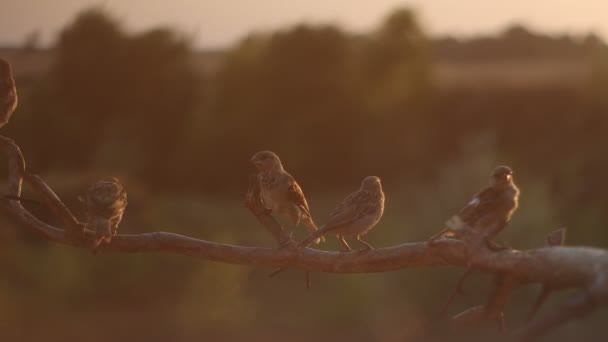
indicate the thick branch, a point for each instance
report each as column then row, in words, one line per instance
column 380, row 260
column 560, row 266
column 556, row 267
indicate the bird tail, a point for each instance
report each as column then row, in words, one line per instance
column 316, row 236
column 312, row 228
column 103, row 231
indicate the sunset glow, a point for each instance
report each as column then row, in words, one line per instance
column 218, row 23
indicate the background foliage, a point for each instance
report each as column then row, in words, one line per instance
column 431, row 116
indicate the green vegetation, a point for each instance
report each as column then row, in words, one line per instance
column 336, row 107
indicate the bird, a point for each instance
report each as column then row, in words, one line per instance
column 488, row 213
column 490, row 209
column 280, row 193
column 8, row 92
column 106, row 201
column 356, row 215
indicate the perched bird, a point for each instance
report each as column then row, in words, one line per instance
column 490, row 209
column 106, row 201
column 8, row 92
column 280, row 192
column 488, row 212
column 355, row 215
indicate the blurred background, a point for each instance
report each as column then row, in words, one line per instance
column 174, row 99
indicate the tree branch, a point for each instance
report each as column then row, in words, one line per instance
column 557, row 267
column 577, row 307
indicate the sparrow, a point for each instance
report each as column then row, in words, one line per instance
column 280, row 193
column 8, row 92
column 356, row 215
column 488, row 212
column 106, row 201
column 490, row 209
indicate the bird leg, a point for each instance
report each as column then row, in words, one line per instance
column 348, row 249
column 307, row 280
column 358, row 237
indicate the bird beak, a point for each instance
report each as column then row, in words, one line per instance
column 508, row 177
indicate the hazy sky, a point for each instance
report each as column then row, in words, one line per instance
column 219, row 23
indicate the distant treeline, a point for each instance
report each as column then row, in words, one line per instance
column 518, row 43
column 335, row 106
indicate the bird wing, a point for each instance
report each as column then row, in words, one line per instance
column 483, row 203
column 353, row 207
column 296, row 195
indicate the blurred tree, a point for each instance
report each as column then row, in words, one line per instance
column 516, row 42
column 295, row 93
column 599, row 69
column 31, row 43
column 518, row 32
column 117, row 100
column 87, row 86
column 328, row 98
column 165, row 92
column 395, row 79
column 396, row 64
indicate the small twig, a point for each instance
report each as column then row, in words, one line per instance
column 458, row 290
column 18, row 169
column 74, row 228
column 504, row 285
column 577, row 307
column 542, row 297
column 493, row 309
column 555, row 238
column 21, row 199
